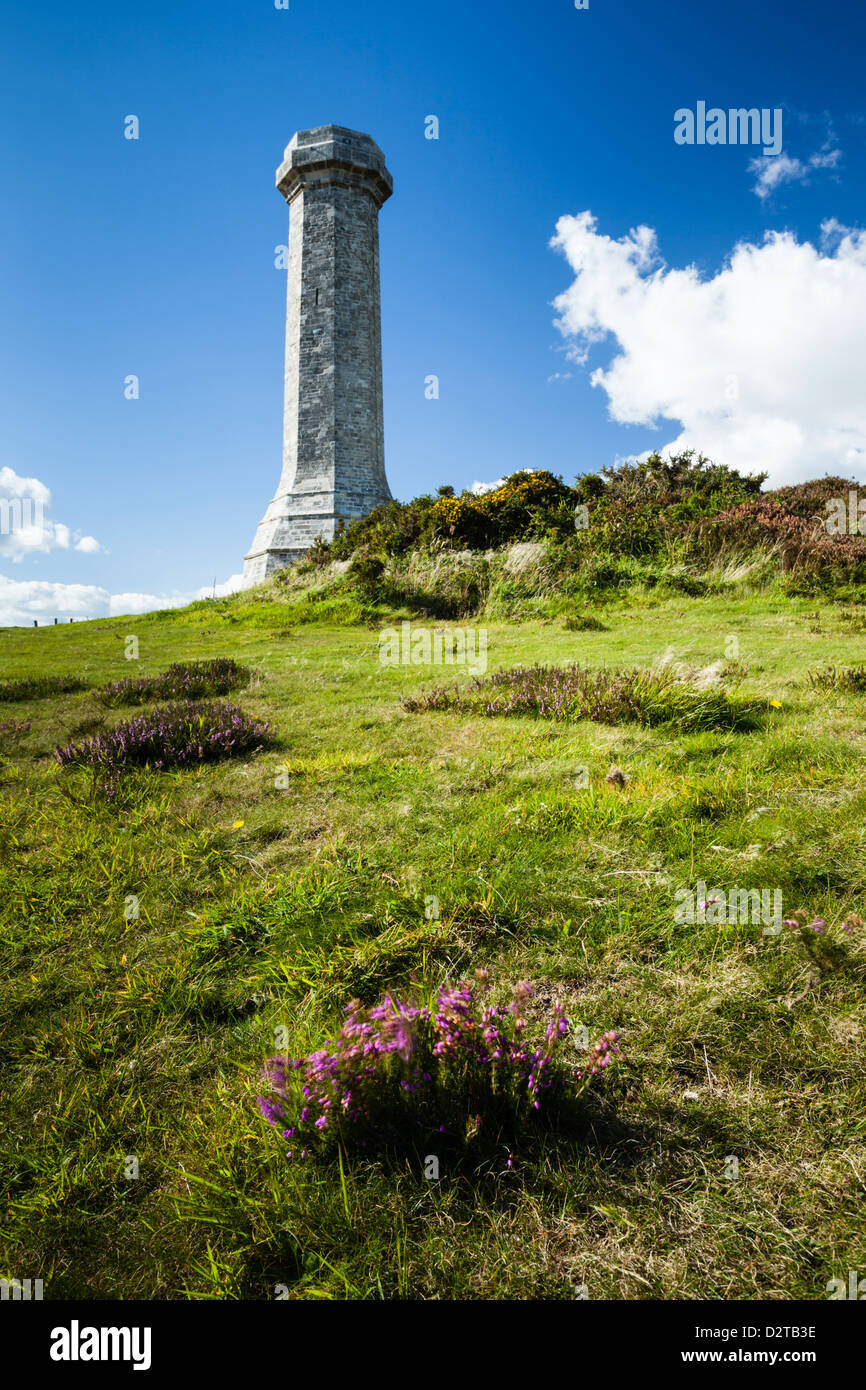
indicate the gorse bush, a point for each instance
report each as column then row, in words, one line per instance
column 394, row 528
column 184, row 680
column 177, row 735
column 516, row 509
column 507, row 513
column 39, row 687
column 367, row 571
column 684, row 486
column 682, row 509
column 638, row 509
column 579, row 692
column 398, row 1072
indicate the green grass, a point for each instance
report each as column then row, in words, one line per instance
column 150, row 948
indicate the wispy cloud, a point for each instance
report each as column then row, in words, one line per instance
column 773, row 171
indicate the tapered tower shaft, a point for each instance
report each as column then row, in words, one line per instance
column 335, row 181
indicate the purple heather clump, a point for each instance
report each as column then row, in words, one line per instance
column 580, row 692
column 39, row 687
column 402, row 1054
column 184, row 680
column 178, row 735
column 819, row 925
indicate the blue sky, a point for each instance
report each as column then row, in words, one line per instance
column 155, row 257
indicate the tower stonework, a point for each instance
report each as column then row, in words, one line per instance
column 335, row 181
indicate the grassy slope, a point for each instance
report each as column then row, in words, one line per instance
column 143, row 1037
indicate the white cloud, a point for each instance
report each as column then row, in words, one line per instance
column 24, row 527
column 774, row 170
column 479, row 489
column 761, row 364
column 146, row 603
column 23, row 600
column 232, row 585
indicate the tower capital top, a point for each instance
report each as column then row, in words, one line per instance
column 332, row 154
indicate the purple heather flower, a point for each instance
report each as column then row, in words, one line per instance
column 374, row 1049
column 271, row 1109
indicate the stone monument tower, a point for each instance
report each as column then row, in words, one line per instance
column 335, row 182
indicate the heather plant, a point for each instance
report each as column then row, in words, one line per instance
column 847, row 678
column 39, row 687
column 811, row 499
column 184, row 680
column 798, row 538
column 177, row 735
column 463, row 1070
column 605, row 696
column 828, row 947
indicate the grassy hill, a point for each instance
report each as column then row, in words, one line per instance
column 156, row 934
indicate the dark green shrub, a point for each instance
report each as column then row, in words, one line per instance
column 367, row 571
column 584, row 622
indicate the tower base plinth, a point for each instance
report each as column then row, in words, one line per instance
column 292, row 524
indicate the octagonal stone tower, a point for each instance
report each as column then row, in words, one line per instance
column 335, row 182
